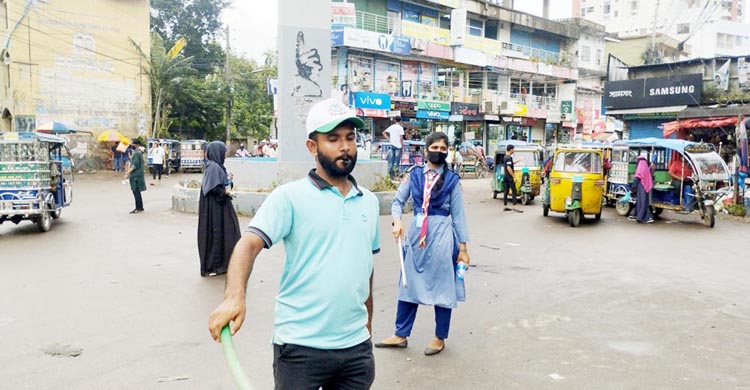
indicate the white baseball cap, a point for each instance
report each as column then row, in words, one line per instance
column 328, row 114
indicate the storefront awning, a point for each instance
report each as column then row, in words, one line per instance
column 649, row 110
column 671, row 128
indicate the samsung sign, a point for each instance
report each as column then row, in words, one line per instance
column 654, row 92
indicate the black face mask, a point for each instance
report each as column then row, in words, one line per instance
column 329, row 164
column 437, row 158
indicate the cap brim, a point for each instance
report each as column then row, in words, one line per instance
column 355, row 121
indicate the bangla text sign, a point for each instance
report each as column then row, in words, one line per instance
column 654, row 92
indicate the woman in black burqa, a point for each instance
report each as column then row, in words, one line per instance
column 218, row 227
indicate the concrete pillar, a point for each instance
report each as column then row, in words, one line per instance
column 545, row 9
column 304, row 49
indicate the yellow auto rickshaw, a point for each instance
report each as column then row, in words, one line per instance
column 528, row 170
column 576, row 183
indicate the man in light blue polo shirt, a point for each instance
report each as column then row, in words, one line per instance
column 330, row 230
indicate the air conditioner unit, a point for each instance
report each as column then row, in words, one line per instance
column 504, row 105
column 418, row 44
column 489, row 108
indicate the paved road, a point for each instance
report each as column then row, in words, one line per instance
column 609, row 305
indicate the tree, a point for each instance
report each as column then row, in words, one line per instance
column 196, row 20
column 651, row 56
column 165, row 70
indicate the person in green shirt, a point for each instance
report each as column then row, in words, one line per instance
column 135, row 174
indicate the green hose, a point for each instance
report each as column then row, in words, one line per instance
column 234, row 364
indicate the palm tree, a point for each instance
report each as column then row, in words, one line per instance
column 165, row 69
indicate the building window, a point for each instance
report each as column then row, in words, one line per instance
column 683, row 28
column 445, row 21
column 590, row 10
column 607, row 8
column 585, row 53
column 475, row 27
column 633, row 7
column 721, row 40
column 411, row 15
column 598, row 56
column 617, row 13
column 737, row 41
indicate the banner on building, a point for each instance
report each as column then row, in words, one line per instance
column 458, row 26
column 407, row 88
column 466, row 109
column 343, row 14
column 743, row 72
column 372, row 101
column 273, row 86
column 433, row 105
column 352, row 37
column 428, row 114
column 721, row 77
column 654, row 92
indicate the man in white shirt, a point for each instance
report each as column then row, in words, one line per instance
column 395, row 135
column 157, row 160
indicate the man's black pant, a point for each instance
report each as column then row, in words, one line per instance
column 138, row 200
column 156, row 169
column 302, row 368
column 510, row 185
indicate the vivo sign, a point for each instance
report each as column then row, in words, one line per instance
column 374, row 101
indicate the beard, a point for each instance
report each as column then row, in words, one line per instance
column 330, row 165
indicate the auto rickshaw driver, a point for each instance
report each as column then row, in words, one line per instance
column 681, row 174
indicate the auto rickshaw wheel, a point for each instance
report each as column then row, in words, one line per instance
column 545, row 210
column 598, row 216
column 57, row 213
column 709, row 216
column 44, row 221
column 574, row 217
column 656, row 211
column 525, row 199
column 623, row 208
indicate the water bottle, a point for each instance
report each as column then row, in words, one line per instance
column 185, row 183
column 461, row 269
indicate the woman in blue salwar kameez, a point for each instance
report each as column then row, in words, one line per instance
column 435, row 243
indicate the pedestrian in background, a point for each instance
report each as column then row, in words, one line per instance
column 166, row 159
column 330, row 230
column 641, row 189
column 135, row 176
column 395, row 135
column 157, row 160
column 126, row 158
column 509, row 180
column 435, row 244
column 218, row 227
column 116, row 157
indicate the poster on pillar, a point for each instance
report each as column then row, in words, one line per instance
column 304, row 50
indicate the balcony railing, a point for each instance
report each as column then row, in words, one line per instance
column 533, row 54
column 377, row 23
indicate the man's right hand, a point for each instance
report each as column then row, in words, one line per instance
column 232, row 309
column 398, row 229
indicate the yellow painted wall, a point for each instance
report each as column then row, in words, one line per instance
column 72, row 62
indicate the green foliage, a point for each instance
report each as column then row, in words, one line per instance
column 651, row 56
column 737, row 210
column 197, row 107
column 384, row 184
column 713, row 95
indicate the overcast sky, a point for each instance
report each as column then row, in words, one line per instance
column 253, row 24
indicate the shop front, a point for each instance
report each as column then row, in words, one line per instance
column 373, row 108
column 433, row 116
column 468, row 123
column 407, row 110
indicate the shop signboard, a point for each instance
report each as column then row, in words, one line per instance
column 352, row 37
column 433, row 105
column 374, row 101
column 343, row 14
column 372, row 113
column 566, row 106
column 467, row 109
column 408, row 109
column 429, row 114
column 654, row 92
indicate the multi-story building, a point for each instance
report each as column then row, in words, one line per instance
column 71, row 61
column 472, row 69
column 710, row 27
